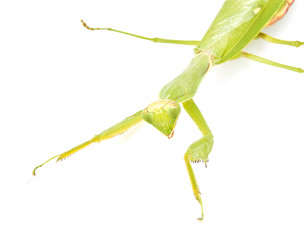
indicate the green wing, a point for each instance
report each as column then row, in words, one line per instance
column 237, row 23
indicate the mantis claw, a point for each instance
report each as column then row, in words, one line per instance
column 34, row 171
column 199, row 150
column 206, row 160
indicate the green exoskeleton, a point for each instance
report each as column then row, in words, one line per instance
column 236, row 25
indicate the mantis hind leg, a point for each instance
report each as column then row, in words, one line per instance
column 269, row 62
column 113, row 131
column 156, row 39
column 279, row 41
column 199, row 150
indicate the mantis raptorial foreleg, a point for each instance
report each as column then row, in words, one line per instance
column 113, row 131
column 199, row 150
column 279, row 41
column 156, row 39
column 269, row 62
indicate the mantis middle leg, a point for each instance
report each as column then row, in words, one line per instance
column 156, row 39
column 279, row 41
column 199, row 150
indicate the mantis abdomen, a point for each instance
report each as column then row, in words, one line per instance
column 236, row 25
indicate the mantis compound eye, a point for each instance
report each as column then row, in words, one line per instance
column 163, row 115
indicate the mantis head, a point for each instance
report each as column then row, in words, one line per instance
column 163, row 115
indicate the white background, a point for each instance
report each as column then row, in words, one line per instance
column 61, row 84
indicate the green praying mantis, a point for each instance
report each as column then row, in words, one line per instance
column 235, row 26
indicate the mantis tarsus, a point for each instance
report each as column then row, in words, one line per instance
column 236, row 25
